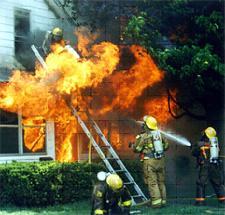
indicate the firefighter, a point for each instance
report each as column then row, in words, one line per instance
column 152, row 147
column 110, row 196
column 210, row 166
column 57, row 43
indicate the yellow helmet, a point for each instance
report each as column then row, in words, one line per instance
column 114, row 182
column 151, row 122
column 57, row 34
column 210, row 132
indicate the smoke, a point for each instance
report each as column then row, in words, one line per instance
column 177, row 138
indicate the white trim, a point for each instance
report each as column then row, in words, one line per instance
column 25, row 158
column 20, row 134
column 32, row 156
column 50, row 139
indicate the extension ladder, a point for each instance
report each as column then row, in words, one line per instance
column 136, row 193
column 129, row 182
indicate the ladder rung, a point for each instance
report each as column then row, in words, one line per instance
column 104, row 146
column 137, row 196
column 127, row 183
column 120, row 170
column 112, row 158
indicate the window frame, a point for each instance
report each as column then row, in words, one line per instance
column 20, row 142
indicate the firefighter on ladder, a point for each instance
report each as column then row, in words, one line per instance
column 110, row 196
column 152, row 146
column 57, row 43
column 207, row 154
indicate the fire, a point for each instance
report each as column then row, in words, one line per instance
column 34, row 133
column 84, row 36
column 158, row 107
column 129, row 85
column 49, row 93
column 7, row 101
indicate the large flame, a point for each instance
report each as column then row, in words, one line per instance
column 48, row 93
column 34, row 133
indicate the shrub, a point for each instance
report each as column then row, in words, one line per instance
column 49, row 183
column 46, row 183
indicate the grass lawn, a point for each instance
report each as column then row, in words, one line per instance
column 83, row 208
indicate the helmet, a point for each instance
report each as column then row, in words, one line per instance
column 210, row 132
column 101, row 176
column 150, row 122
column 57, row 34
column 114, row 182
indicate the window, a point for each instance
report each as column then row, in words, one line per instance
column 21, row 136
column 8, row 133
column 34, row 132
column 22, row 37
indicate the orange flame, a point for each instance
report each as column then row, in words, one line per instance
column 34, row 137
column 158, row 107
column 47, row 93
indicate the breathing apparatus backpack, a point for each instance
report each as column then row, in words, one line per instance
column 214, row 150
column 157, row 144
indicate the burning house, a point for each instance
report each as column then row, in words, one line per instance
column 36, row 119
column 116, row 84
column 24, row 23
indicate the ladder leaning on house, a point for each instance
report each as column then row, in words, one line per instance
column 110, row 159
column 116, row 167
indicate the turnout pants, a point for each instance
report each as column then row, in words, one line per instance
column 213, row 173
column 154, row 176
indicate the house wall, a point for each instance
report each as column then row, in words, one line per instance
column 41, row 20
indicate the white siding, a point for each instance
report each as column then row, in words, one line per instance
column 40, row 18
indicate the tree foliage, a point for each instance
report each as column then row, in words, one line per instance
column 93, row 14
column 187, row 40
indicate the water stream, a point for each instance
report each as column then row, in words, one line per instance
column 177, row 138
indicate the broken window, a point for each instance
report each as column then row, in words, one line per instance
column 23, row 51
column 34, row 135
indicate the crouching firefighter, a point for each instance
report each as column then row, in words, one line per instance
column 210, row 166
column 152, row 147
column 110, row 196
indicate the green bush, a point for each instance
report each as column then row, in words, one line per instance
column 49, row 183
column 46, row 183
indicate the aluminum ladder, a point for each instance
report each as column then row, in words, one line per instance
column 129, row 182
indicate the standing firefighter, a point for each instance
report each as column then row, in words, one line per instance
column 207, row 154
column 110, row 196
column 152, row 146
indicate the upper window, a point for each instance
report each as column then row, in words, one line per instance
column 22, row 37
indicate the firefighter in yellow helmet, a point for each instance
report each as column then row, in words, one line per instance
column 152, row 146
column 110, row 196
column 57, row 35
column 210, row 166
column 57, row 44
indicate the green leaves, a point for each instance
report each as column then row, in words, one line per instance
column 135, row 26
column 46, row 183
column 211, row 23
column 186, row 38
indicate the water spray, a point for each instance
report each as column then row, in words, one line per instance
column 177, row 138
